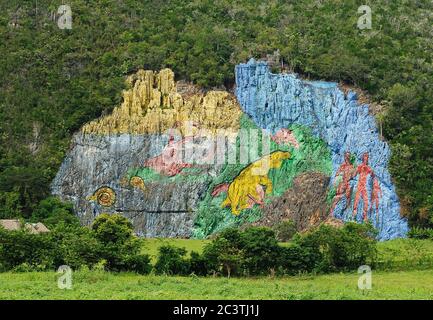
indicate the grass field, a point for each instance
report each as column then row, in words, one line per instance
column 404, row 271
column 104, row 285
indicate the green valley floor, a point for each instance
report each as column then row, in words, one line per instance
column 104, row 285
column 404, row 270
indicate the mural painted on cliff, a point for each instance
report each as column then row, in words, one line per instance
column 278, row 101
column 155, row 159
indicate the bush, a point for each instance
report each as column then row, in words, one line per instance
column 74, row 246
column 198, row 264
column 171, row 261
column 420, row 233
column 51, row 211
column 110, row 240
column 224, row 254
column 261, row 250
column 139, row 263
column 297, row 259
column 285, row 230
column 338, row 249
column 30, row 251
column 112, row 228
column 254, row 251
column 117, row 242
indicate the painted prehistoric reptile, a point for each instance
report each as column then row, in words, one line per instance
column 247, row 188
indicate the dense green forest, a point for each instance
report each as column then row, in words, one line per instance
column 52, row 80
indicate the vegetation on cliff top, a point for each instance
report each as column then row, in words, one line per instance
column 52, row 81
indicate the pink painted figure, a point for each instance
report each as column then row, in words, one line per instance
column 169, row 162
column 364, row 171
column 172, row 159
column 347, row 171
column 285, row 136
column 223, row 187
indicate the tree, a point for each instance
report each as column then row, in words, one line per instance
column 119, row 247
column 52, row 211
column 171, row 261
column 261, row 250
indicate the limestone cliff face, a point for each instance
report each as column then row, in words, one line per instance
column 327, row 159
column 96, row 174
column 152, row 105
column 162, row 209
column 361, row 182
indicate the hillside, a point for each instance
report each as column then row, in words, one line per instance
column 53, row 81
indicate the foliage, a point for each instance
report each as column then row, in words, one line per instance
column 261, row 250
column 74, row 246
column 139, row 263
column 335, row 249
column 198, row 264
column 284, row 230
column 256, row 251
column 110, row 240
column 113, row 228
column 20, row 248
column 421, row 233
column 171, row 260
column 51, row 211
column 118, row 246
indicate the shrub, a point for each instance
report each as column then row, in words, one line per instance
column 336, row 249
column 261, row 250
column 139, row 263
column 110, row 240
column 112, row 228
column 117, row 242
column 171, row 261
column 74, row 246
column 198, row 264
column 51, row 211
column 224, row 254
column 420, row 233
column 285, row 230
column 297, row 259
column 20, row 248
column 253, row 251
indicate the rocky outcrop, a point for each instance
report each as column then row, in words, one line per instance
column 325, row 161
column 276, row 101
column 96, row 174
column 153, row 105
column 304, row 204
column 163, row 209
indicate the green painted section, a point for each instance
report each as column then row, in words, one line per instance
column 312, row 155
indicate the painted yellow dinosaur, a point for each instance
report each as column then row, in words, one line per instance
column 247, row 188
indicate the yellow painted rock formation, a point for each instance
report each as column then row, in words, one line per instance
column 153, row 105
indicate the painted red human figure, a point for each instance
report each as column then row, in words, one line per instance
column 364, row 171
column 347, row 171
column 376, row 194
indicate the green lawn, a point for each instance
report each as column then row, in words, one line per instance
column 104, row 285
